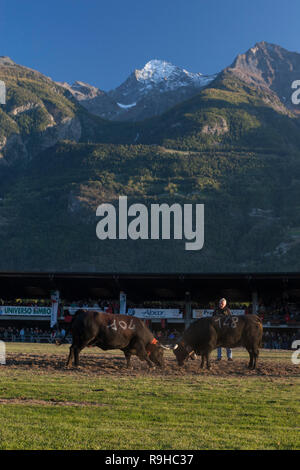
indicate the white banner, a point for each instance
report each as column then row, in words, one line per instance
column 202, row 313
column 73, row 310
column 55, row 301
column 24, row 310
column 155, row 313
column 123, row 303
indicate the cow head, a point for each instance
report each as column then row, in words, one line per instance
column 156, row 353
column 182, row 352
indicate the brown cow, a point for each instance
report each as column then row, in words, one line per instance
column 206, row 334
column 113, row 331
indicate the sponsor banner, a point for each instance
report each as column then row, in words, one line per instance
column 155, row 312
column 24, row 310
column 238, row 312
column 202, row 313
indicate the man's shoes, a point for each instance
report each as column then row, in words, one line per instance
column 219, row 359
column 230, row 359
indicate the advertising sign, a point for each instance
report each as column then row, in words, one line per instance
column 24, row 310
column 201, row 313
column 152, row 313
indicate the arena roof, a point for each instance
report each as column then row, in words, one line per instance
column 237, row 287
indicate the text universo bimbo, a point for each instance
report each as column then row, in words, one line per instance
column 160, row 222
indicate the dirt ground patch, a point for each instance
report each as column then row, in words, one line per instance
column 29, row 401
column 114, row 364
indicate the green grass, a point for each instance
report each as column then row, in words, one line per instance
column 145, row 412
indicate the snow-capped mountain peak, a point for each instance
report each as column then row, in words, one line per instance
column 157, row 72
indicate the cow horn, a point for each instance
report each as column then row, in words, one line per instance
column 165, row 347
column 175, row 347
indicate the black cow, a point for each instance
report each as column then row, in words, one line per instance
column 112, row 331
column 206, row 334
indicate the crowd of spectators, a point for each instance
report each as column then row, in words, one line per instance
column 30, row 335
column 279, row 339
column 109, row 306
column 168, row 335
column 27, row 302
column 275, row 312
column 106, row 305
column 279, row 312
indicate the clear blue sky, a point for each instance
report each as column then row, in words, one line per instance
column 101, row 42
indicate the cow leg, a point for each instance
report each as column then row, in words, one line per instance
column 76, row 356
column 207, row 360
column 255, row 355
column 250, row 365
column 142, row 353
column 202, row 361
column 71, row 356
column 127, row 357
column 77, row 350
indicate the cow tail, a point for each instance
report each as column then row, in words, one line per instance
column 260, row 325
column 60, row 341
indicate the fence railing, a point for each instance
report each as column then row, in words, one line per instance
column 41, row 338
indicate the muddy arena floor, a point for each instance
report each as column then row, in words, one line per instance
column 93, row 361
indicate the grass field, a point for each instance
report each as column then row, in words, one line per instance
column 45, row 406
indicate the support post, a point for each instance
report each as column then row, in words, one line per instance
column 55, row 296
column 122, row 303
column 254, row 302
column 188, row 310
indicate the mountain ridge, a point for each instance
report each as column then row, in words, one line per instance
column 147, row 92
column 233, row 146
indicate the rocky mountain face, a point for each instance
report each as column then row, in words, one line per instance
column 270, row 67
column 37, row 113
column 96, row 101
column 148, row 92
